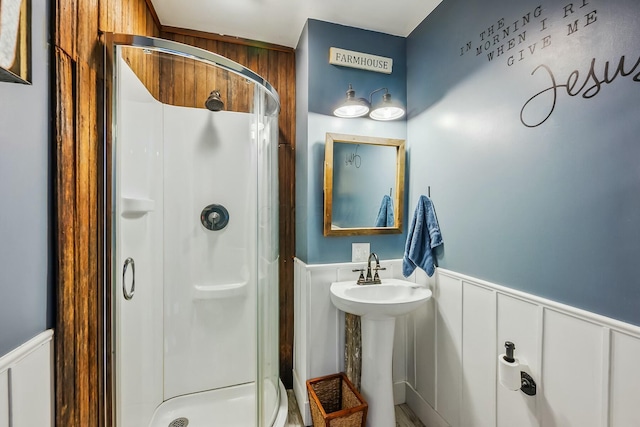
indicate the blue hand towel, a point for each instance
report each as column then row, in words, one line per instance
column 424, row 235
column 385, row 214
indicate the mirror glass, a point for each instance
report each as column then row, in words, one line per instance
column 363, row 185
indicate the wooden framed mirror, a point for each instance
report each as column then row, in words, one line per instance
column 15, row 41
column 363, row 185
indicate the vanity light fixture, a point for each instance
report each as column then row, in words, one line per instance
column 387, row 109
column 352, row 107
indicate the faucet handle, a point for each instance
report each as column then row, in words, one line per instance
column 376, row 277
column 361, row 278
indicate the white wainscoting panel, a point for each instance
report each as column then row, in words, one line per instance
column 571, row 383
column 421, row 372
column 399, row 373
column 585, row 365
column 624, row 399
column 446, row 353
column 32, row 389
column 449, row 349
column 301, row 334
column 325, row 332
column 26, row 384
column 518, row 322
column 478, row 356
column 319, row 327
column 4, row 398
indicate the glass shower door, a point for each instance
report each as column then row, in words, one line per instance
column 194, row 310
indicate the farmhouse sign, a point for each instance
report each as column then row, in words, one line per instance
column 363, row 61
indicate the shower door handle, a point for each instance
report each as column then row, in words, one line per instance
column 129, row 294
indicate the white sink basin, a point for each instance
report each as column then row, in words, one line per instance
column 391, row 298
column 379, row 305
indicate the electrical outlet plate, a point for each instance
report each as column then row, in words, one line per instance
column 360, row 252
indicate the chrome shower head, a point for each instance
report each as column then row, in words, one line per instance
column 213, row 102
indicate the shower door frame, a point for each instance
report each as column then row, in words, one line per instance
column 110, row 42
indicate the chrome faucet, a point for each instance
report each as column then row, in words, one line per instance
column 376, row 278
column 369, row 280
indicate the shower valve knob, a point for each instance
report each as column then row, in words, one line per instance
column 214, row 217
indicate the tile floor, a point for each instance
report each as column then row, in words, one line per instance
column 404, row 416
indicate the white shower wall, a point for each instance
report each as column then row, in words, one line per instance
column 191, row 325
column 210, row 316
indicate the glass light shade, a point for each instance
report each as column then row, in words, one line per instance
column 387, row 113
column 352, row 108
column 387, row 109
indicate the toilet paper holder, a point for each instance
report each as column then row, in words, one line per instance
column 528, row 385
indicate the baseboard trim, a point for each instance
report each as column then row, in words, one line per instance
column 399, row 392
column 422, row 409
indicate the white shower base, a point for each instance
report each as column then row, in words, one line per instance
column 227, row 407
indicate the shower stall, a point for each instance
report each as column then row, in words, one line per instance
column 191, row 238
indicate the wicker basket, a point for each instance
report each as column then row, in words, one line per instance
column 334, row 402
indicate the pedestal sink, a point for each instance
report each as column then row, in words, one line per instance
column 378, row 305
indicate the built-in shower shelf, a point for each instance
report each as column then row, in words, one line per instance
column 133, row 206
column 228, row 290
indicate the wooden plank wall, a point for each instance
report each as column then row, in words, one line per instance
column 78, row 56
column 81, row 388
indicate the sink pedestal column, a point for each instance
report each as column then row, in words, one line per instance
column 377, row 383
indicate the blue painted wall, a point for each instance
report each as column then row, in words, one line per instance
column 329, row 83
column 26, row 275
column 536, row 186
column 319, row 87
column 302, row 150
